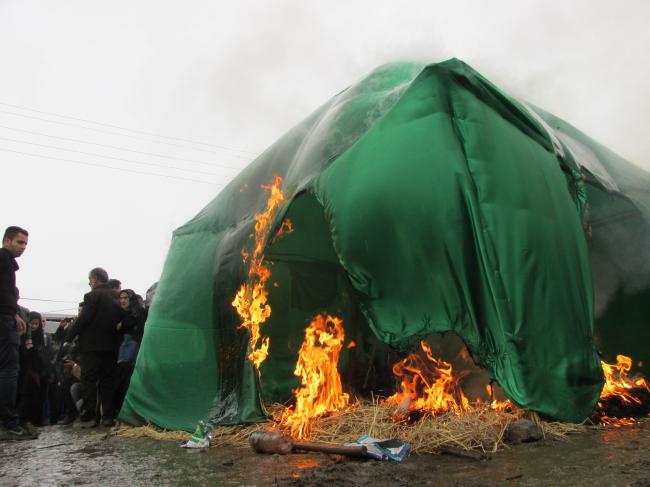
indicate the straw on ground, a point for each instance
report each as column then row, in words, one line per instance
column 481, row 429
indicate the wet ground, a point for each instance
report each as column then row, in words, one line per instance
column 65, row 456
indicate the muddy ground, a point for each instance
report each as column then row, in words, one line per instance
column 66, row 456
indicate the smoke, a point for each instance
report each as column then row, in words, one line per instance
column 619, row 252
column 240, row 74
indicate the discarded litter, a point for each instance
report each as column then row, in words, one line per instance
column 201, row 438
column 395, row 450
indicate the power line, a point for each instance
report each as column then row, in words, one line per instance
column 110, row 157
column 46, row 300
column 58, row 310
column 85, row 120
column 105, row 146
column 117, row 133
column 111, row 167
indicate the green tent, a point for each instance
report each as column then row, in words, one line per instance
column 424, row 200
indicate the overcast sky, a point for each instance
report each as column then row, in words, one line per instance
column 235, row 76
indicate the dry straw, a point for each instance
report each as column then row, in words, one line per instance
column 481, row 429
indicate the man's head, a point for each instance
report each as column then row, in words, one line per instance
column 115, row 285
column 15, row 240
column 97, row 276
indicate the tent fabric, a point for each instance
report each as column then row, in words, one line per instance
column 618, row 195
column 424, row 200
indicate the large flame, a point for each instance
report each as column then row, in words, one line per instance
column 618, row 384
column 251, row 298
column 430, row 385
column 321, row 391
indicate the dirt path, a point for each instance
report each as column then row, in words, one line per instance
column 65, row 456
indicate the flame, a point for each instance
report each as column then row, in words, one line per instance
column 429, row 385
column 352, row 344
column 251, row 298
column 286, row 227
column 321, row 390
column 494, row 403
column 616, row 422
column 619, row 384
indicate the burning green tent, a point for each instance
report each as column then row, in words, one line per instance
column 424, row 200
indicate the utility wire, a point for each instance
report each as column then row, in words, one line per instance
column 112, row 167
column 58, row 310
column 85, row 120
column 105, row 146
column 111, row 157
column 46, row 300
column 118, row 134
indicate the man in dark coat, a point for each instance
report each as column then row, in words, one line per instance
column 96, row 329
column 12, row 326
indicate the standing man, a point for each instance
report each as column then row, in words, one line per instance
column 96, row 328
column 12, row 327
column 115, row 285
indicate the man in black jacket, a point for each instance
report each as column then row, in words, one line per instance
column 12, row 326
column 96, row 329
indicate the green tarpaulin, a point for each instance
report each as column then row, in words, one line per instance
column 424, row 200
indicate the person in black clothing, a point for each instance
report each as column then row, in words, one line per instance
column 131, row 328
column 42, row 345
column 12, row 327
column 29, row 403
column 96, row 328
column 134, row 315
column 115, row 285
column 67, row 408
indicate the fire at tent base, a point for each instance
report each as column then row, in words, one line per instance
column 430, row 409
column 478, row 426
column 482, row 429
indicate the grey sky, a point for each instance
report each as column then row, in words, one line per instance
column 239, row 74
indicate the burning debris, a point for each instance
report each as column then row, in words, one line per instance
column 623, row 398
column 430, row 387
column 321, row 391
column 430, row 393
column 428, row 384
column 251, row 299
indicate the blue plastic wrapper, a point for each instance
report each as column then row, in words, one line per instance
column 395, row 450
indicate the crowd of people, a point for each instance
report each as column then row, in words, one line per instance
column 80, row 373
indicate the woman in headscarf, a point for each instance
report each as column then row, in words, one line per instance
column 131, row 328
column 36, row 372
column 133, row 315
